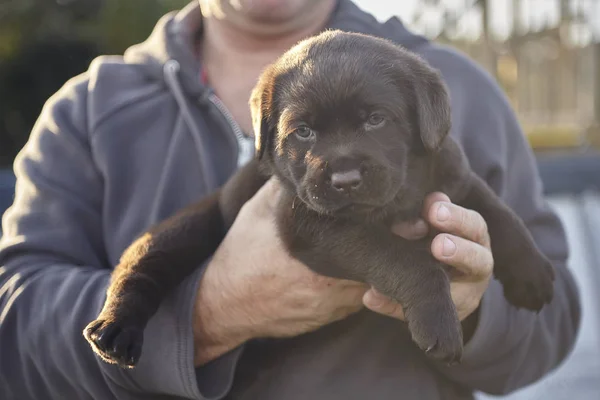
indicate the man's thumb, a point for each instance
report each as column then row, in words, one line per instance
column 266, row 198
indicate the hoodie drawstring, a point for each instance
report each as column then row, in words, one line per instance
column 170, row 70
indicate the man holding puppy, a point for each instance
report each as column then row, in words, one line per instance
column 136, row 138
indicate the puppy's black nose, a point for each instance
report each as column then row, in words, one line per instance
column 346, row 181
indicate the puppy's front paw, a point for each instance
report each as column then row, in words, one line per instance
column 528, row 280
column 438, row 332
column 117, row 341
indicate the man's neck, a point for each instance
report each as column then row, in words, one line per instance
column 233, row 54
column 228, row 41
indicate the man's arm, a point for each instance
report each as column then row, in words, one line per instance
column 54, row 274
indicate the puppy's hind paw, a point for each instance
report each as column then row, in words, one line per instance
column 528, row 283
column 116, row 342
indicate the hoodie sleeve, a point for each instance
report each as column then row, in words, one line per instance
column 509, row 348
column 54, row 274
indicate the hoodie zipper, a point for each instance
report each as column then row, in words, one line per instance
column 244, row 142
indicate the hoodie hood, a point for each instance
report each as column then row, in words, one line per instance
column 173, row 40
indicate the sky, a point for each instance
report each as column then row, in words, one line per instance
column 535, row 14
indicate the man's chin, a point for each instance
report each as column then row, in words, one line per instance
column 270, row 12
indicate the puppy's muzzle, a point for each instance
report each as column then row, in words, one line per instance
column 349, row 184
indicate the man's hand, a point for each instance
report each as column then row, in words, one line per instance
column 253, row 288
column 463, row 243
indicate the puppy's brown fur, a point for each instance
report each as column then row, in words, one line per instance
column 356, row 129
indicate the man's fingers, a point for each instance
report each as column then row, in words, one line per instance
column 431, row 199
column 459, row 221
column 473, row 260
column 381, row 304
column 266, row 198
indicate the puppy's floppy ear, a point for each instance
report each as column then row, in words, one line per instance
column 432, row 106
column 261, row 107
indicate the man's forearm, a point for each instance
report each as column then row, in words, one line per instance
column 52, row 306
column 219, row 325
column 212, row 338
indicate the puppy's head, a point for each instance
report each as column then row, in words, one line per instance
column 351, row 123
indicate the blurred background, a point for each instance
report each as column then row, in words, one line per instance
column 545, row 54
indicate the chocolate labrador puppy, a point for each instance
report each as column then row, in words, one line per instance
column 356, row 130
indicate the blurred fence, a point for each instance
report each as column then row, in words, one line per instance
column 553, row 86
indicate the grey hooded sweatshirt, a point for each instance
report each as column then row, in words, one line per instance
column 138, row 136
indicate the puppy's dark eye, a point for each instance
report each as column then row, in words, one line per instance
column 303, row 132
column 375, row 120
